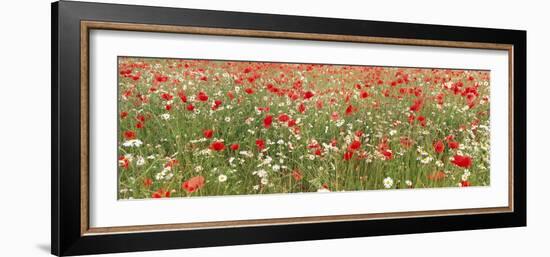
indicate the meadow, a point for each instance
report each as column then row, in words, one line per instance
column 209, row 128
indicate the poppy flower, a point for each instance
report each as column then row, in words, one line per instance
column 202, row 96
column 387, row 154
column 411, row 118
column 301, row 108
column 406, row 142
column 453, row 144
column 354, row 145
column 308, row 95
column 217, row 146
column 161, row 193
column 208, row 133
column 123, row 115
column 417, row 105
column 123, row 162
column 190, row 107
column 438, row 175
column 364, row 94
column 141, row 118
column 319, row 104
column 439, row 147
column 335, row 116
column 147, row 182
column 193, row 184
column 318, row 152
column 462, row 161
column 167, row 96
column 216, row 104
column 235, row 147
column 260, row 143
column 182, row 97
column 422, row 120
column 267, row 121
column 348, row 155
column 297, row 175
column 168, row 107
column 129, row 134
column 291, row 123
column 283, row 117
column 465, row 183
column 249, row 90
column 349, row 110
column 230, row 95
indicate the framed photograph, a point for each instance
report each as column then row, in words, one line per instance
column 178, row 128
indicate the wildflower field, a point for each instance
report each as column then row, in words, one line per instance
column 208, row 128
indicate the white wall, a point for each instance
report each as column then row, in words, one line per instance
column 25, row 127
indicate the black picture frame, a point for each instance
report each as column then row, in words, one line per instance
column 66, row 234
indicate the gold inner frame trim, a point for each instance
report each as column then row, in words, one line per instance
column 86, row 26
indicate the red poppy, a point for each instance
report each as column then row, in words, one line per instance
column 348, row 155
column 230, row 95
column 453, row 144
column 438, row 175
column 147, row 182
column 168, row 107
column 123, row 162
column 349, row 110
column 190, row 107
column 140, row 125
column 193, row 184
column 411, row 118
column 439, row 147
column 462, row 161
column 387, row 154
column 167, row 96
column 319, row 104
column 141, row 118
column 364, row 94
column 291, row 123
column 129, row 135
column 182, row 96
column 208, row 133
column 358, row 133
column 417, row 105
column 308, row 95
column 318, row 152
column 123, row 115
column 260, row 143
column 335, row 116
column 384, row 149
column 297, row 175
column 202, row 96
column 354, row 145
column 161, row 193
column 283, row 118
column 161, row 78
column 267, row 121
column 249, row 90
column 301, row 108
column 235, row 147
column 465, row 183
column 406, row 142
column 217, row 146
column 422, row 120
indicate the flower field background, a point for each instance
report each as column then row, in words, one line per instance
column 207, row 128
